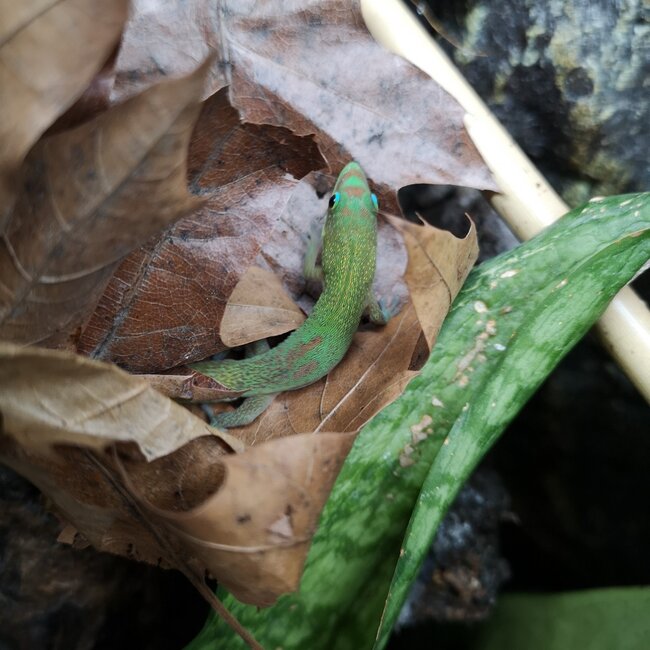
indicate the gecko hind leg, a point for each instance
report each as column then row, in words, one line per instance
column 249, row 410
column 251, row 407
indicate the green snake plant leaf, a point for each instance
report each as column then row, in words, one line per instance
column 515, row 318
column 514, row 353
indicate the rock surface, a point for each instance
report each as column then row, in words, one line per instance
column 569, row 80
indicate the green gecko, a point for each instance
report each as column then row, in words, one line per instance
column 349, row 248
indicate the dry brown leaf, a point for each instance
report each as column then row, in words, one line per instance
column 316, row 70
column 49, row 52
column 90, row 196
column 164, row 39
column 254, row 532
column 186, row 385
column 258, row 307
column 246, row 518
column 438, row 266
column 94, row 100
column 290, row 65
column 165, row 302
column 52, row 398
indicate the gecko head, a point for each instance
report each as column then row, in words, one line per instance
column 352, row 192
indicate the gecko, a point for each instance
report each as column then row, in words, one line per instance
column 347, row 270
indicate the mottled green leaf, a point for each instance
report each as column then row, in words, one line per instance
column 584, row 258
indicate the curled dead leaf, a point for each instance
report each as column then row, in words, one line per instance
column 253, row 533
column 50, row 398
column 166, row 39
column 165, row 302
column 439, row 263
column 81, row 209
column 137, row 475
column 49, row 52
column 291, row 70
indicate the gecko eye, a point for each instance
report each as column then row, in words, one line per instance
column 334, row 200
column 374, row 201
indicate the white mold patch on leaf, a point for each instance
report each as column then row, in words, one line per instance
column 510, row 273
column 466, row 363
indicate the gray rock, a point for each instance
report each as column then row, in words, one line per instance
column 570, row 80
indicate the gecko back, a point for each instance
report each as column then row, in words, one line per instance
column 319, row 344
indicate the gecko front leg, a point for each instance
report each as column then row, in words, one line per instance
column 381, row 311
column 310, row 270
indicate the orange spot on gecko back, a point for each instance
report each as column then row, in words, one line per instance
column 305, row 370
column 302, row 350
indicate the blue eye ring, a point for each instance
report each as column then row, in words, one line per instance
column 375, row 202
column 334, row 200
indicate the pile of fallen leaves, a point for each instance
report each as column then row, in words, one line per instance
column 154, row 212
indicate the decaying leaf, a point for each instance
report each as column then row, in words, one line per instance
column 316, row 70
column 50, row 398
column 174, row 496
column 95, row 99
column 258, row 307
column 49, row 52
column 254, row 532
column 164, row 304
column 437, row 255
column 166, row 39
column 90, row 196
